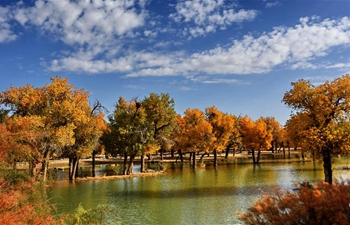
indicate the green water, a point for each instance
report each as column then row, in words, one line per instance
column 186, row 196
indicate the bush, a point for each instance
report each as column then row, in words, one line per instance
column 24, row 202
column 102, row 214
column 319, row 204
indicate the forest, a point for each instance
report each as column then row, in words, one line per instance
column 57, row 120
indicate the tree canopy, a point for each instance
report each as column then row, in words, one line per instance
column 321, row 117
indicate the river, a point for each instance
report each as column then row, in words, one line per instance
column 186, row 196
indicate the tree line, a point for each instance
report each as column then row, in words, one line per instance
column 38, row 123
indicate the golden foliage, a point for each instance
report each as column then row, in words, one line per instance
column 255, row 135
column 193, row 132
column 322, row 114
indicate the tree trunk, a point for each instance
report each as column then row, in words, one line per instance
column 327, row 165
column 303, row 156
column 125, row 162
column 172, row 153
column 289, row 152
column 161, row 154
column 73, row 165
column 181, row 156
column 202, row 156
column 258, row 157
column 215, row 158
column 193, row 160
column 227, row 151
column 142, row 163
column 93, row 163
column 45, row 164
column 32, row 166
column 70, row 167
column 253, row 156
column 76, row 173
column 131, row 164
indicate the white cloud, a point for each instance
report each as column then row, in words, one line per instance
column 205, row 16
column 221, row 81
column 92, row 28
column 298, row 46
column 6, row 34
column 272, row 4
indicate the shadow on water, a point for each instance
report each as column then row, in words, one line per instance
column 194, row 192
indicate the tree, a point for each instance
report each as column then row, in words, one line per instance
column 275, row 128
column 61, row 109
column 320, row 204
column 222, row 128
column 294, row 128
column 131, row 131
column 23, row 136
column 193, row 133
column 161, row 116
column 3, row 115
column 255, row 136
column 324, row 112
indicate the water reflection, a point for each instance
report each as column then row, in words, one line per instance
column 186, row 196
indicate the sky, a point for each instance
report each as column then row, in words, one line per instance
column 240, row 56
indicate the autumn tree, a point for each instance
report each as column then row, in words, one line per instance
column 3, row 115
column 324, row 112
column 59, row 107
column 222, row 128
column 275, row 128
column 193, row 133
column 295, row 128
column 255, row 136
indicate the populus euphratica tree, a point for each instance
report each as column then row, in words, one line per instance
column 131, row 133
column 324, row 109
column 255, row 136
column 161, row 114
column 222, row 128
column 58, row 108
column 193, row 133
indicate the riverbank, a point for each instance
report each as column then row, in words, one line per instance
column 149, row 173
column 295, row 156
column 57, row 163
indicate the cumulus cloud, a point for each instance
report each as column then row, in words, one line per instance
column 205, row 16
column 296, row 46
column 6, row 34
column 97, row 31
column 92, row 28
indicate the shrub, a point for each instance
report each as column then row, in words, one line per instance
column 24, row 203
column 319, row 204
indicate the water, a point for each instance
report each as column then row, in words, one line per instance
column 186, row 196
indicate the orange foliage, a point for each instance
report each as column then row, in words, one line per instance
column 321, row 204
column 255, row 135
column 19, row 205
column 193, row 131
column 222, row 127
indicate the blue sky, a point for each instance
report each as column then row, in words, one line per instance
column 240, row 56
